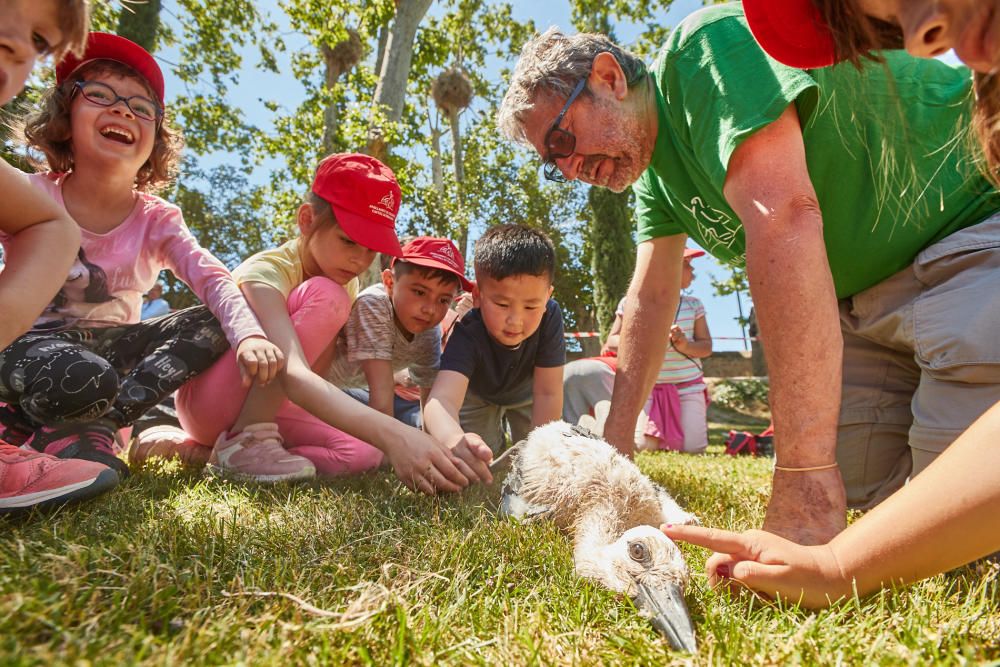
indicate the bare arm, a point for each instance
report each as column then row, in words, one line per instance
column 649, row 310
column 547, row 394
column 43, row 245
column 614, row 336
column 947, row 516
column 441, row 420
column 378, row 373
column 768, row 186
column 418, row 461
column 698, row 347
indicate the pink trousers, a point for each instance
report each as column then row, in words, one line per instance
column 210, row 402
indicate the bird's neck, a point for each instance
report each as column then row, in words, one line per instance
column 594, row 532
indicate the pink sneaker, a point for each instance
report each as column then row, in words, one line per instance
column 94, row 441
column 257, row 454
column 31, row 479
column 167, row 442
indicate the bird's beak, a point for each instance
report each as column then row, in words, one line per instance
column 669, row 614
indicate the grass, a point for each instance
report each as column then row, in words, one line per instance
column 172, row 568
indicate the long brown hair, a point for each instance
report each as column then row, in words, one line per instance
column 858, row 37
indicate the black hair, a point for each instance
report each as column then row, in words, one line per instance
column 512, row 250
column 401, row 267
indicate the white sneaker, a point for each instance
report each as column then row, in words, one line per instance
column 257, row 454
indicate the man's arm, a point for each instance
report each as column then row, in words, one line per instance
column 614, row 336
column 768, row 186
column 649, row 311
column 547, row 394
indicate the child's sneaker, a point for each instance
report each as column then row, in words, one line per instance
column 90, row 442
column 167, row 442
column 31, row 479
column 14, row 428
column 256, row 454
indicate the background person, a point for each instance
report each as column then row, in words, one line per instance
column 153, row 304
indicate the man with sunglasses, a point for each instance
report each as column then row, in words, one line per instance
column 868, row 236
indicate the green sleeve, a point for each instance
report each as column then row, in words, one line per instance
column 723, row 88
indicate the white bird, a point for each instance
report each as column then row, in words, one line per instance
column 612, row 511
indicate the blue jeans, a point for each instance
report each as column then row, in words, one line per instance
column 405, row 411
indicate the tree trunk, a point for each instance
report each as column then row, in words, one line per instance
column 140, row 22
column 437, row 171
column 613, row 258
column 390, row 92
column 459, row 167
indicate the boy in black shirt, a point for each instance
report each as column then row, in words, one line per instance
column 505, row 357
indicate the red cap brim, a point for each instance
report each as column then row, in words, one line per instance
column 792, row 32
column 434, row 264
column 380, row 238
column 106, row 46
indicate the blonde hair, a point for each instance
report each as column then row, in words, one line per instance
column 74, row 24
column 48, row 130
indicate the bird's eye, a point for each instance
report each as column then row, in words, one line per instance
column 638, row 552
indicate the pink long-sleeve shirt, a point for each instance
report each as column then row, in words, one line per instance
column 113, row 270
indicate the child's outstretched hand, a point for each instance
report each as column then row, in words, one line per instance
column 424, row 465
column 475, row 456
column 259, row 359
column 769, row 565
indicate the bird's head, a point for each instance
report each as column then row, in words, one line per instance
column 647, row 566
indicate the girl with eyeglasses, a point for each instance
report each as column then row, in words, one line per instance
column 88, row 367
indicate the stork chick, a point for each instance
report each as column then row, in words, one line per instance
column 611, row 510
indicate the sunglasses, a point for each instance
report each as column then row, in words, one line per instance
column 560, row 143
column 104, row 95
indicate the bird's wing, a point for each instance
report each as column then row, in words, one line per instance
column 512, row 504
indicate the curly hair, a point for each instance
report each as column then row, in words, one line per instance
column 552, row 64
column 48, row 130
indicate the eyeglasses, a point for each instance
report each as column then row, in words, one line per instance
column 558, row 142
column 104, row 95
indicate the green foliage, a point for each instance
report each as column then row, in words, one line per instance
column 741, row 394
column 612, row 254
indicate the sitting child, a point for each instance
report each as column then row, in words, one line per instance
column 46, row 241
column 393, row 325
column 88, row 368
column 504, row 360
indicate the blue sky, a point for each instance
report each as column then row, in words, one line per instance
column 254, row 85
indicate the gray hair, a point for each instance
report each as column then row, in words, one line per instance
column 552, row 64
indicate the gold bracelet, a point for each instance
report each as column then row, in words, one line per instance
column 828, row 466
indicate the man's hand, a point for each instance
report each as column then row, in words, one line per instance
column 769, row 565
column 475, row 456
column 424, row 465
column 807, row 507
column 259, row 359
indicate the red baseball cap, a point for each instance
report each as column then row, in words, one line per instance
column 436, row 253
column 364, row 196
column 792, row 32
column 105, row 46
column 691, row 253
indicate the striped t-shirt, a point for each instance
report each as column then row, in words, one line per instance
column 676, row 368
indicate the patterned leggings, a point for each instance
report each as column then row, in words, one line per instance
column 111, row 373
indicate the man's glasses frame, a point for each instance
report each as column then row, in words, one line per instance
column 558, row 142
column 114, row 98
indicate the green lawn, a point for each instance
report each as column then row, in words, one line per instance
column 173, row 568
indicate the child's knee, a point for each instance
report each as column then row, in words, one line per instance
column 320, row 292
column 85, row 391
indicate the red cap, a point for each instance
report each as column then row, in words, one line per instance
column 691, row 253
column 105, row 46
column 364, row 196
column 792, row 32
column 436, row 254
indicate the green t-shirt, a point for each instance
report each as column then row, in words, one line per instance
column 889, row 155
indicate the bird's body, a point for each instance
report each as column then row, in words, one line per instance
column 612, row 511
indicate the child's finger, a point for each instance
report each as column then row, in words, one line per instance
column 448, row 471
column 247, row 372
